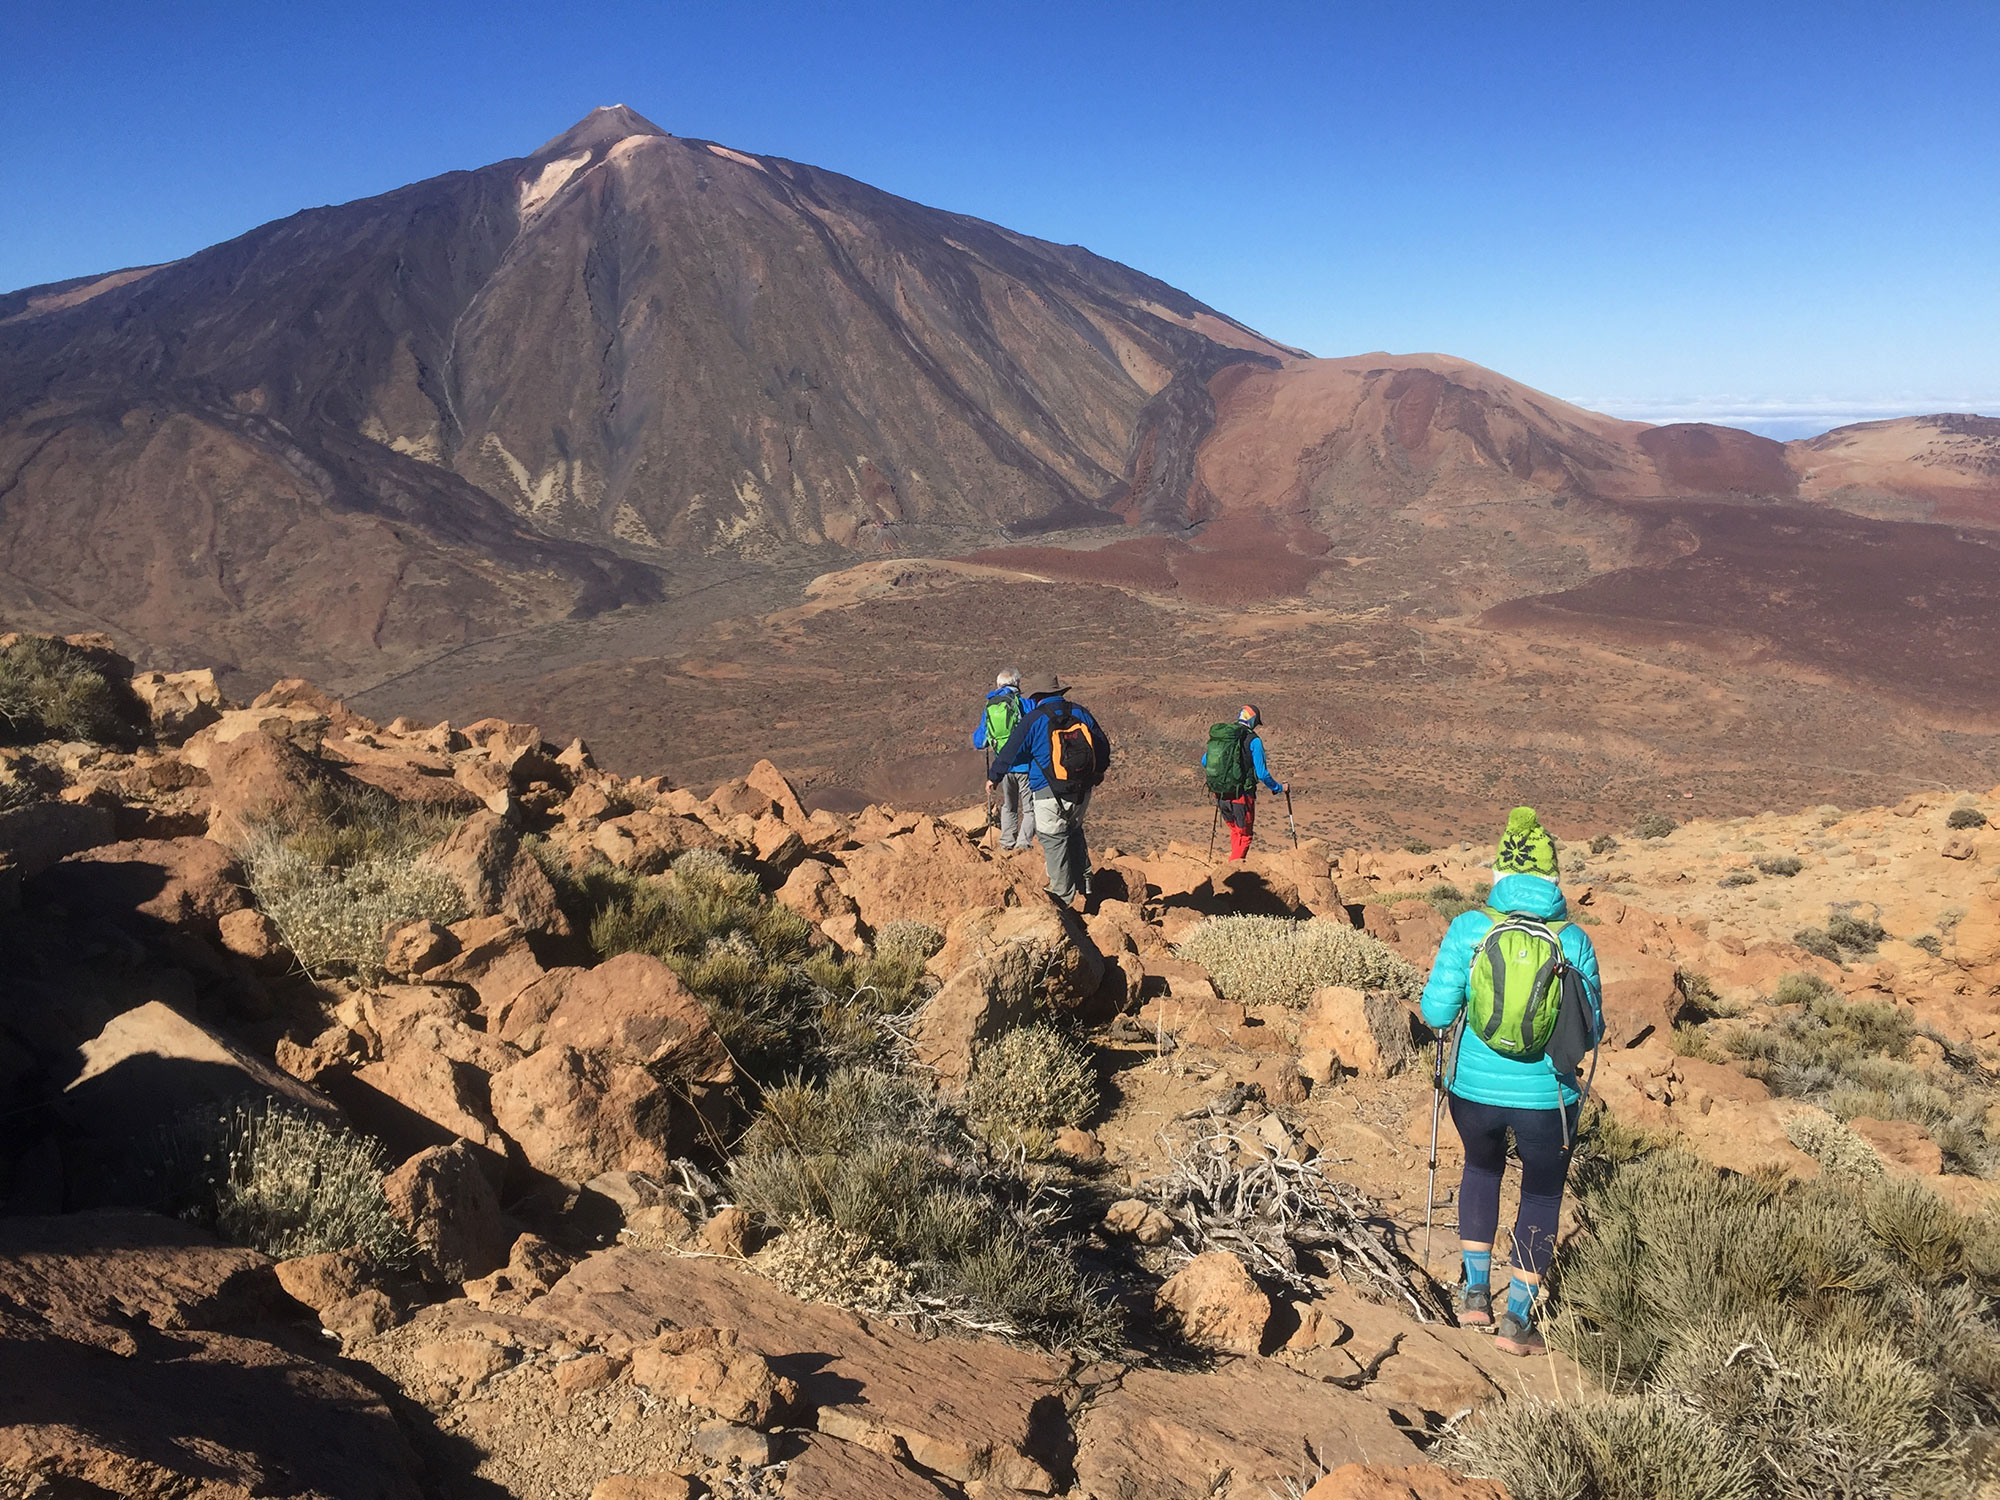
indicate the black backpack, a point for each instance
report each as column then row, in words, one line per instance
column 1227, row 764
column 1078, row 751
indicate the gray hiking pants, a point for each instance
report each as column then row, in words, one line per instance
column 1059, row 825
column 1017, row 811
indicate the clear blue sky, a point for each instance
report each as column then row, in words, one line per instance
column 1682, row 209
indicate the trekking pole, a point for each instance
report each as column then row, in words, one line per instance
column 1437, row 1108
column 1288, row 818
column 1211, row 829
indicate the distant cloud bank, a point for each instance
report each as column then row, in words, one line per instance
column 1780, row 418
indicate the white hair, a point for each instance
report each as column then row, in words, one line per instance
column 1009, row 678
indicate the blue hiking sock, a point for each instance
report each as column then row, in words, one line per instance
column 1521, row 1298
column 1478, row 1267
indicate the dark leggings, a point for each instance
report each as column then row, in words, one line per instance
column 1538, row 1136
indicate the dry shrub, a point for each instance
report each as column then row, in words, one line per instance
column 284, row 1183
column 1851, row 1058
column 1838, row 1334
column 1648, row 1447
column 1784, row 866
column 1654, row 826
column 817, row 1261
column 876, row 1156
column 1832, row 1144
column 51, row 690
column 341, row 864
column 1965, row 817
column 1029, row 1084
column 333, row 918
column 1273, row 961
column 909, row 941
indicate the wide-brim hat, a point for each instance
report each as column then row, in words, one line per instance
column 1042, row 685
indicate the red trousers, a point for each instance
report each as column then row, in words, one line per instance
column 1240, row 813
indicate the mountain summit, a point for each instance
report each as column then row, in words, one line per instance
column 604, row 126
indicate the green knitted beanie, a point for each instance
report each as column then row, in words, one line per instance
column 1525, row 848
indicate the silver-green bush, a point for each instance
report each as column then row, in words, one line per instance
column 333, row 917
column 1272, row 961
column 1031, row 1083
column 284, row 1183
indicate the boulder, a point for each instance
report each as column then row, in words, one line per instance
column 711, row 1370
column 646, row 843
column 1369, row 1033
column 500, row 878
column 533, row 1267
column 811, row 891
column 249, row 934
column 767, row 780
column 418, row 948
column 301, row 727
column 631, row 1008
column 737, row 798
column 574, row 1115
column 41, row 834
column 442, row 1196
column 828, row 1469
column 493, row 958
column 185, row 882
column 1245, row 1429
column 416, row 1099
column 179, row 703
column 931, row 874
column 1136, row 1219
column 488, row 781
column 151, row 1065
column 965, row 1409
column 1903, row 1145
column 1216, row 1304
column 126, row 1333
column 252, row 778
column 1068, row 965
column 977, row 1005
column 322, row 1281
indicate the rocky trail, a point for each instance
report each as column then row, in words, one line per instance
column 618, row 1064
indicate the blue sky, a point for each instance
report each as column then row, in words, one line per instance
column 1779, row 214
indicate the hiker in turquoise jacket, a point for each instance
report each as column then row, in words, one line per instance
column 1491, row 1093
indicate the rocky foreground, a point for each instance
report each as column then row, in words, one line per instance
column 582, row 1308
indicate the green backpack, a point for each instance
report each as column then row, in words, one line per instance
column 1002, row 714
column 1227, row 764
column 1515, row 994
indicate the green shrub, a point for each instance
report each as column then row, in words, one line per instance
column 284, row 1183
column 1784, row 866
column 1604, row 843
column 780, row 1005
column 1654, row 826
column 1450, row 902
column 51, row 690
column 1966, row 817
column 1416, row 846
column 1817, row 943
column 1735, row 878
column 1930, row 942
column 1854, row 933
column 877, row 1156
column 1689, row 1040
column 1273, row 961
column 1029, row 1084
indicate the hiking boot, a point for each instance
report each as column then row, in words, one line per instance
column 1513, row 1336
column 1474, row 1305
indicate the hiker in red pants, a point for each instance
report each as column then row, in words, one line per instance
column 1233, row 764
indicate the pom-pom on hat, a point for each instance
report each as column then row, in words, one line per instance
column 1525, row 848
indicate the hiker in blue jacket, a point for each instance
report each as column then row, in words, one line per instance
column 996, row 723
column 1238, row 803
column 1065, row 753
column 1491, row 1093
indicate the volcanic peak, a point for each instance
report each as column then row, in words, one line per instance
column 603, row 127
